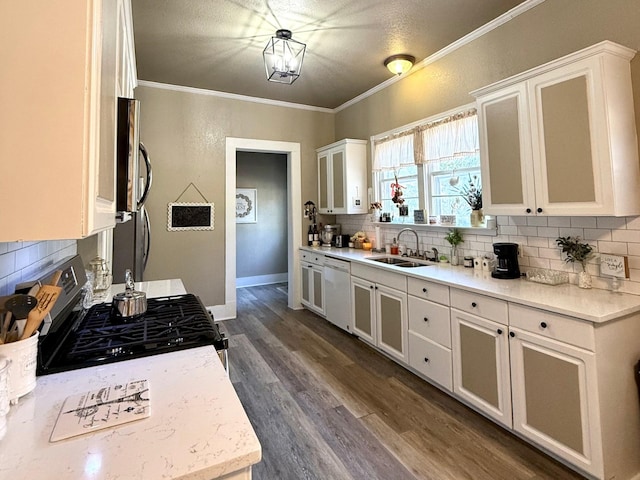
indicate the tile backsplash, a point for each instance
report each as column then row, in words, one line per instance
column 22, row 261
column 536, row 237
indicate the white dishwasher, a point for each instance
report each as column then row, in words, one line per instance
column 337, row 285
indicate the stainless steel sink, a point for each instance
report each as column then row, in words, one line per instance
column 389, row 260
column 399, row 262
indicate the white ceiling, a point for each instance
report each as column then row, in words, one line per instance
column 217, row 45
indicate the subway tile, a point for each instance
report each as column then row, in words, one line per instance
column 633, row 223
column 537, row 221
column 611, row 222
column 520, row 240
column 4, row 247
column 529, row 251
column 634, row 275
column 583, row 222
column 527, row 231
column 634, row 249
column 502, row 220
column 550, row 253
column 518, row 221
column 629, row 236
column 539, row 262
column 508, row 229
column 559, row 221
column 538, row 242
column 549, row 232
column 616, row 248
column 571, row 232
column 13, row 246
column 22, row 258
column 7, row 264
column 597, row 234
column 634, row 261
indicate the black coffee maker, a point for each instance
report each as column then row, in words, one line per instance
column 507, row 260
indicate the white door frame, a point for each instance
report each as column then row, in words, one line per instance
column 294, row 217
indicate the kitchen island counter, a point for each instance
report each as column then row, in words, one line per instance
column 197, row 428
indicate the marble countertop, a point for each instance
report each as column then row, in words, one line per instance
column 197, row 429
column 593, row 305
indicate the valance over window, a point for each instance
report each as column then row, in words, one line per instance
column 450, row 137
column 453, row 137
column 393, row 152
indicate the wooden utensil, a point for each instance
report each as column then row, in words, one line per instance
column 47, row 297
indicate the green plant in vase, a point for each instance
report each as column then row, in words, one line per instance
column 454, row 238
column 472, row 194
column 577, row 251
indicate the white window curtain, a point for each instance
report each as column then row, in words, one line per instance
column 449, row 138
column 394, row 152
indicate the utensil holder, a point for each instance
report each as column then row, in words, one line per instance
column 23, row 356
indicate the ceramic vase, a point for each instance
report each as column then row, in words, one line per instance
column 476, row 218
column 584, row 279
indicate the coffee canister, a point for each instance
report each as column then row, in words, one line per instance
column 468, row 262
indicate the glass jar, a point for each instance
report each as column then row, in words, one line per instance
column 101, row 280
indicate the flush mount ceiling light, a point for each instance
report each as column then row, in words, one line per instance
column 283, row 58
column 399, row 64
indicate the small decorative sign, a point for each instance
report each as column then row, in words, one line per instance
column 246, row 205
column 614, row 265
column 418, row 216
column 190, row 216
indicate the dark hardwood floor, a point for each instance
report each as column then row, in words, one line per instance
column 327, row 406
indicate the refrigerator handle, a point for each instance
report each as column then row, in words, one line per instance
column 147, row 238
column 147, row 186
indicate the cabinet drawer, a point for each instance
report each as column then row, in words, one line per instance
column 428, row 290
column 430, row 320
column 431, row 360
column 380, row 276
column 480, row 305
column 551, row 325
column 311, row 257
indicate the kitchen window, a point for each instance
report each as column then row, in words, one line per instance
column 431, row 160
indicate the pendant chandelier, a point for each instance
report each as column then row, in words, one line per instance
column 283, row 58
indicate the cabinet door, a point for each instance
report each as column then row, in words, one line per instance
column 363, row 309
column 555, row 401
column 306, row 276
column 481, row 365
column 338, row 182
column 392, row 323
column 505, row 152
column 568, row 176
column 323, row 183
column 103, row 183
column 318, row 289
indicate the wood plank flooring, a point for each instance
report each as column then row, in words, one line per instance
column 327, row 406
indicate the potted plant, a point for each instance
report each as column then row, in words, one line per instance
column 576, row 251
column 472, row 194
column 454, row 238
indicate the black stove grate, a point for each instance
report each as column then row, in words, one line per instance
column 170, row 323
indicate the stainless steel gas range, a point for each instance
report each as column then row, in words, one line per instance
column 79, row 338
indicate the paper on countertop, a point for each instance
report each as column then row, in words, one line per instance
column 103, row 408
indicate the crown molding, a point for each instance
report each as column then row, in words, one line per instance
column 477, row 33
column 231, row 96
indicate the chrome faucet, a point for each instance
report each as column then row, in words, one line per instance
column 417, row 240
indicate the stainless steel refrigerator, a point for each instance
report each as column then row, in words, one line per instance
column 132, row 235
column 131, row 246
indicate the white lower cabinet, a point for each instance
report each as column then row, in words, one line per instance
column 430, row 332
column 312, row 287
column 555, row 398
column 379, row 316
column 481, row 365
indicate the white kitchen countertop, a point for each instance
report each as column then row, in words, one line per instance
column 593, row 305
column 197, row 429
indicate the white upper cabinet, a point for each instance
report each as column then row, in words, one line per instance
column 342, row 177
column 69, row 62
column 560, row 139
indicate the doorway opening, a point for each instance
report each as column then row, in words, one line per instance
column 294, row 217
column 261, row 218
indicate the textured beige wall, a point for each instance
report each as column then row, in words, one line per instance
column 185, row 134
column 544, row 33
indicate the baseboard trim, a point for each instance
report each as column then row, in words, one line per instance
column 257, row 280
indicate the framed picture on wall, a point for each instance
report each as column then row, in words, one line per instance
column 246, row 205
